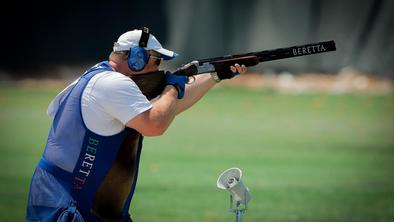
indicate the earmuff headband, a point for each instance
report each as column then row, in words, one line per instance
column 144, row 37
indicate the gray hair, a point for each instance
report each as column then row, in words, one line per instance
column 120, row 55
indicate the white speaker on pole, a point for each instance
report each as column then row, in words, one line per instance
column 231, row 180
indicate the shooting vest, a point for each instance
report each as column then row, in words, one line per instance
column 104, row 169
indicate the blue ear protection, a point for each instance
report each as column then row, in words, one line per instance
column 138, row 56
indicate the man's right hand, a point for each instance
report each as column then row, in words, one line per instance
column 178, row 82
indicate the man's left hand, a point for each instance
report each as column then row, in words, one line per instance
column 228, row 73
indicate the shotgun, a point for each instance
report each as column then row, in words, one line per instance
column 253, row 58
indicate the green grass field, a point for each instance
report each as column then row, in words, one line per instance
column 305, row 158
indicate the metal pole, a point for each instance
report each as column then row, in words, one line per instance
column 238, row 213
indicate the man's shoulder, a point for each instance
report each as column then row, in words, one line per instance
column 111, row 76
column 111, row 79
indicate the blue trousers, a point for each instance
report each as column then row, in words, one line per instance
column 49, row 201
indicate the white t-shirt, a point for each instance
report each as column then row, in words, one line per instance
column 109, row 101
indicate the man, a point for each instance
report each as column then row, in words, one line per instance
column 89, row 168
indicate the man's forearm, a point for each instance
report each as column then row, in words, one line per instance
column 195, row 91
column 155, row 121
column 164, row 109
